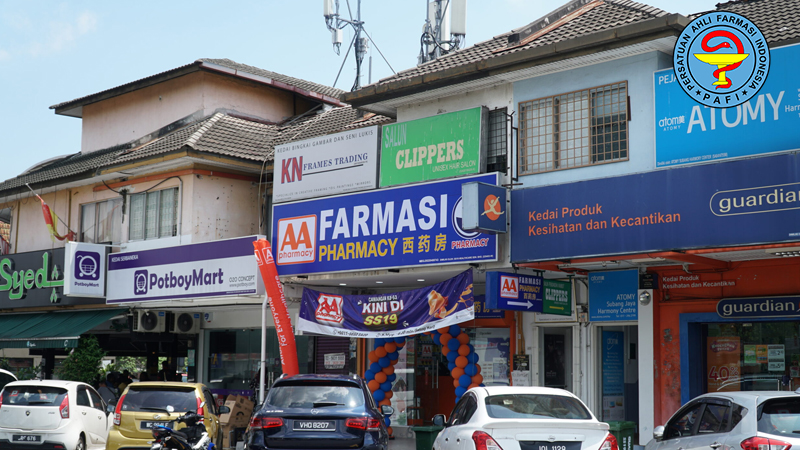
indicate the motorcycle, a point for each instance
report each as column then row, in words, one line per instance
column 193, row 437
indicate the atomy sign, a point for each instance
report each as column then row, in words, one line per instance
column 326, row 165
column 446, row 145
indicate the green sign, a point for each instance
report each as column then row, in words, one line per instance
column 557, row 298
column 442, row 146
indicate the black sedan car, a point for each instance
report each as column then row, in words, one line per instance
column 319, row 412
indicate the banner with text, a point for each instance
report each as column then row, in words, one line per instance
column 388, row 315
column 85, row 269
column 613, row 295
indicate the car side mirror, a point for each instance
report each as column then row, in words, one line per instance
column 387, row 410
column 658, row 433
column 439, row 420
column 224, row 410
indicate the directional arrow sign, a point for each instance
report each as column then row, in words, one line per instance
column 516, row 292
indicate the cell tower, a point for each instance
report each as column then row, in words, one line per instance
column 444, row 29
column 336, row 24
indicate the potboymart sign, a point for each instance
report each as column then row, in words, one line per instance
column 441, row 146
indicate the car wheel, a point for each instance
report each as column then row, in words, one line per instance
column 81, row 444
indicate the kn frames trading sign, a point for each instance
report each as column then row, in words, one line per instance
column 387, row 228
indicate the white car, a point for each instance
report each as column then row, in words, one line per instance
column 52, row 415
column 522, row 418
column 5, row 378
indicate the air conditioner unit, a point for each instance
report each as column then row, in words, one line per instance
column 186, row 322
column 150, row 321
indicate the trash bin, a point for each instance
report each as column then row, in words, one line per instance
column 426, row 436
column 624, row 432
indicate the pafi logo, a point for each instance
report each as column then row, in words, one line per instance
column 492, row 207
column 721, row 59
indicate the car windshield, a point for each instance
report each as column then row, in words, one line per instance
column 149, row 399
column 535, row 406
column 33, row 395
column 313, row 394
column 780, row 416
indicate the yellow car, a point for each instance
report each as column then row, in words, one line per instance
column 143, row 405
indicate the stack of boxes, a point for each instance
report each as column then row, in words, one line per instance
column 234, row 423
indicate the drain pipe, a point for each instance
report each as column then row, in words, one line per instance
column 263, row 371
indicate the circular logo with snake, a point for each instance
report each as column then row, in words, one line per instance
column 721, row 59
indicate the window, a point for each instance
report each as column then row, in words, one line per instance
column 97, row 402
column 538, row 406
column 154, row 214
column 83, row 397
column 780, row 416
column 498, row 141
column 101, row 222
column 715, row 419
column 5, row 231
column 574, row 129
column 683, row 424
column 459, row 411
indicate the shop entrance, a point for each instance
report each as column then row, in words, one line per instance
column 619, row 373
column 556, row 359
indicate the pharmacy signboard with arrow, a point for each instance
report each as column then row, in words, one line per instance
column 513, row 291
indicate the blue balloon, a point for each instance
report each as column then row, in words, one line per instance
column 471, row 348
column 465, row 380
column 394, row 356
column 391, row 377
column 450, row 366
column 379, row 342
column 436, row 339
column 471, row 370
column 452, row 356
column 388, row 421
column 453, row 344
column 369, row 375
column 378, row 395
column 455, row 330
column 459, row 391
column 384, row 362
column 472, row 358
column 399, row 340
column 387, row 386
column 375, row 367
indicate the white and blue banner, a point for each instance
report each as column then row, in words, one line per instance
column 85, row 270
column 413, row 225
column 689, row 133
column 613, row 295
column 211, row 269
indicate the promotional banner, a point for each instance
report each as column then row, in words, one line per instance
column 513, row 291
column 557, row 298
column 85, row 269
column 441, row 146
column 484, row 207
column 326, row 165
column 754, row 201
column 388, row 315
column 613, row 295
column 613, row 356
column 483, row 312
column 387, row 228
column 277, row 304
column 723, row 361
column 211, row 269
column 688, row 132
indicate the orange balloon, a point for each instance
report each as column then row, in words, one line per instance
column 461, row 361
column 385, row 401
column 389, row 394
column 445, row 330
column 445, row 350
column 372, row 356
column 374, row 385
column 393, row 362
column 479, row 367
column 477, row 379
column 456, row 383
column 389, row 429
column 380, row 377
column 402, row 344
column 457, row 372
column 381, row 352
column 390, row 347
column 473, row 385
column 463, row 350
column 445, row 339
column 463, row 338
column 388, row 370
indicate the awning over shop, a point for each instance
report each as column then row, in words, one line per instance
column 50, row 329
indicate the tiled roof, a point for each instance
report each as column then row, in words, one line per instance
column 779, row 20
column 600, row 15
column 332, row 121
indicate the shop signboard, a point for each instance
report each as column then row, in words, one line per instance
column 755, row 201
column 557, row 298
column 482, row 312
column 759, row 307
column 441, row 146
column 415, row 225
column 484, row 207
column 36, row 279
column 326, row 165
column 221, row 268
column 690, row 133
column 514, row 291
column 723, row 361
column 388, row 315
column 521, row 370
column 613, row 295
column 85, row 270
column 613, row 375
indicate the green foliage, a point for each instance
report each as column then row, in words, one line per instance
column 132, row 364
column 5, row 365
column 29, row 373
column 83, row 364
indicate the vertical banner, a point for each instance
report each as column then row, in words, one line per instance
column 723, row 363
column 613, row 375
column 277, row 304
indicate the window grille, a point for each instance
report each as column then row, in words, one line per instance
column 154, row 214
column 498, row 141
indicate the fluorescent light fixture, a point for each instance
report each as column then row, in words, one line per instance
column 420, row 279
column 786, row 252
column 342, row 284
column 379, row 282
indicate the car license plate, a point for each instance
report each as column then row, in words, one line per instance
column 314, row 425
column 546, row 445
column 26, row 438
column 148, row 424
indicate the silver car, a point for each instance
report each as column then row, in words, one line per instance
column 755, row 420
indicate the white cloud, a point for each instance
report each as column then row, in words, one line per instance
column 54, row 34
column 87, row 22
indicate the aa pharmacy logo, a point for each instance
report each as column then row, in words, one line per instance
column 721, row 59
column 329, row 311
column 297, row 240
column 509, row 287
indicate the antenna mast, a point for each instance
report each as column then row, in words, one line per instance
column 444, row 30
column 336, row 24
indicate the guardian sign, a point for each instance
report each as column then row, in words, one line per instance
column 761, row 307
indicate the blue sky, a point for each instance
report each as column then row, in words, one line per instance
column 51, row 52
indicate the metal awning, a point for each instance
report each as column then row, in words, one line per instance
column 50, row 329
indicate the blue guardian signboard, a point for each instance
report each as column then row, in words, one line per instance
column 613, row 295
column 514, row 291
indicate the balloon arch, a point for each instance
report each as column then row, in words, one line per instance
column 462, row 361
